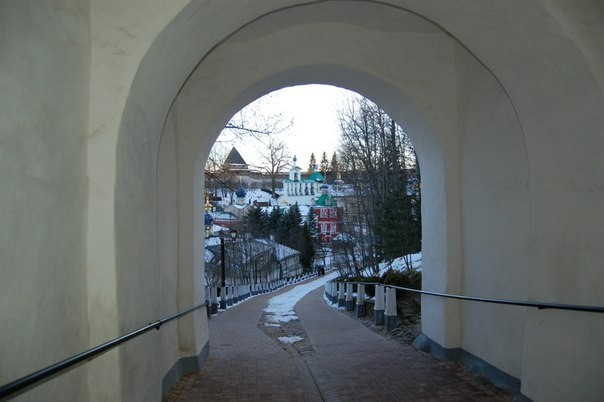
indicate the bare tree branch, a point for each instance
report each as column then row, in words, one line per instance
column 276, row 158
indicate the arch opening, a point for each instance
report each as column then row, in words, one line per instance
column 428, row 83
column 373, row 167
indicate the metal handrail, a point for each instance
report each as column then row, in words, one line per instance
column 36, row 378
column 539, row 305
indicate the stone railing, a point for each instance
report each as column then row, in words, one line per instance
column 351, row 296
column 221, row 298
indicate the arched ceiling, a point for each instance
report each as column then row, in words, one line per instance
column 386, row 53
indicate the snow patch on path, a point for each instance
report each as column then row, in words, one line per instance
column 290, row 339
column 281, row 308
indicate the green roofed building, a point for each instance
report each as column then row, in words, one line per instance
column 304, row 191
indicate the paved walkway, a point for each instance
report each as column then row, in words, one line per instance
column 339, row 360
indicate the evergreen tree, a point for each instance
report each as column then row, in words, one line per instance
column 289, row 228
column 273, row 220
column 312, row 163
column 282, row 230
column 307, row 253
column 382, row 166
column 294, row 216
column 257, row 222
column 311, row 220
column 324, row 165
column 395, row 227
column 334, row 165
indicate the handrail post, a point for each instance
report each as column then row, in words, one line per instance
column 334, row 293
column 223, row 300
column 229, row 295
column 214, row 296
column 378, row 310
column 391, row 317
column 361, row 311
column 341, row 295
column 208, row 293
column 349, row 301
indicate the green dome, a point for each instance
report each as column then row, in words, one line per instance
column 316, row 176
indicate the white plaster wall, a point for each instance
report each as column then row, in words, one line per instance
column 122, row 300
column 166, row 64
column 553, row 85
column 44, row 71
column 545, row 54
column 496, row 218
column 537, row 87
column 167, row 179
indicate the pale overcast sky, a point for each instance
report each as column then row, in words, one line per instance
column 313, row 109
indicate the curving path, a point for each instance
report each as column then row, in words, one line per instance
column 339, row 360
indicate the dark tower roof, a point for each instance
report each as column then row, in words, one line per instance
column 234, row 161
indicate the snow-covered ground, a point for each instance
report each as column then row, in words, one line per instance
column 399, row 264
column 281, row 308
column 290, row 339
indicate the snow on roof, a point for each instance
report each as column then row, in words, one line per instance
column 281, row 251
column 249, row 249
column 209, row 256
column 345, row 237
column 256, row 194
column 304, row 209
column 224, row 216
column 343, row 190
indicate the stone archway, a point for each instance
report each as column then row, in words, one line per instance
column 471, row 133
column 250, row 64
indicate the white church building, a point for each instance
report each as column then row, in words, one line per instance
column 299, row 190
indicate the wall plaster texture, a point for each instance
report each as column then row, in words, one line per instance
column 110, row 108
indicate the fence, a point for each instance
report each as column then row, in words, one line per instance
column 385, row 309
column 223, row 297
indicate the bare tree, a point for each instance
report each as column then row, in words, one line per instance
column 378, row 158
column 254, row 121
column 218, row 181
column 276, row 158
